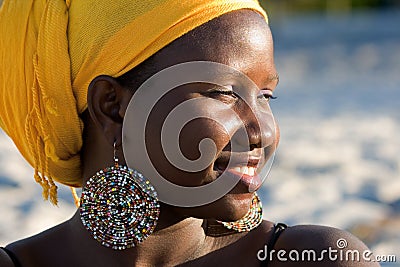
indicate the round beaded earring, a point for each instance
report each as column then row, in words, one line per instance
column 119, row 206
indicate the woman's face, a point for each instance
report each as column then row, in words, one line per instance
column 237, row 119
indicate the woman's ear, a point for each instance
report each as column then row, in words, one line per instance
column 107, row 103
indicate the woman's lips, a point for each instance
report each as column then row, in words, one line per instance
column 248, row 170
column 245, row 175
column 241, row 167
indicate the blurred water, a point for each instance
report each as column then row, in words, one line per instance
column 338, row 160
column 341, row 64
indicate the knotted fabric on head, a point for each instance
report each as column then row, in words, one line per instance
column 50, row 50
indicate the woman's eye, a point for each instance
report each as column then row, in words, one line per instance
column 224, row 91
column 229, row 93
column 266, row 94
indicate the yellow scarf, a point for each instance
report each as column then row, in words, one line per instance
column 50, row 50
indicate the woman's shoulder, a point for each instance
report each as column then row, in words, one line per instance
column 5, row 258
column 40, row 248
column 316, row 245
column 317, row 236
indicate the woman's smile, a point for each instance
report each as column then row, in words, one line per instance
column 242, row 167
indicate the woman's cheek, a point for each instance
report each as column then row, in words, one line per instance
column 203, row 138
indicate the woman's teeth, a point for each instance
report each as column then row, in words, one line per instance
column 245, row 170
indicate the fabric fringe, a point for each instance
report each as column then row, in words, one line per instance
column 35, row 131
column 77, row 199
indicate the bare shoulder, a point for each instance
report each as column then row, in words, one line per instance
column 34, row 250
column 314, row 245
column 5, row 260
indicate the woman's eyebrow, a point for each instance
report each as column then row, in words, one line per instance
column 272, row 77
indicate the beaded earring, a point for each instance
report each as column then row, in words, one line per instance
column 119, row 206
column 251, row 220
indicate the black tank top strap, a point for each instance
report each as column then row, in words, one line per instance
column 278, row 229
column 12, row 257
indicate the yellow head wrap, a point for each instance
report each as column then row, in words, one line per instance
column 50, row 50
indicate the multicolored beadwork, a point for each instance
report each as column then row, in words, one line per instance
column 119, row 207
column 251, row 220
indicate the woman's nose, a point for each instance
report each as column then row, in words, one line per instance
column 257, row 130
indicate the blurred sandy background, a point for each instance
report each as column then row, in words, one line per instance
column 338, row 108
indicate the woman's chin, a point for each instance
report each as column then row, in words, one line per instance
column 231, row 207
column 235, row 207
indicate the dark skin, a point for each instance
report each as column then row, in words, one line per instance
column 240, row 39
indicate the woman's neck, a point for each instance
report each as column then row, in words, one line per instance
column 173, row 242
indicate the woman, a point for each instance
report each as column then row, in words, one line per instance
column 77, row 66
